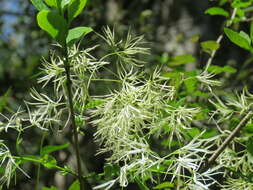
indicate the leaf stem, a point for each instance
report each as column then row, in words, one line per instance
column 83, row 183
column 39, row 165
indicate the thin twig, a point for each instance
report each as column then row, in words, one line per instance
column 83, row 183
column 211, row 160
column 210, row 60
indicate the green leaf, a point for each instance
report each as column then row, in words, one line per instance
column 209, row 46
column 54, row 24
column 193, row 132
column 237, row 39
column 4, row 100
column 191, row 84
column 218, row 69
column 52, row 148
column 76, row 34
column 51, row 3
column 251, row 31
column 141, row 184
column 49, row 188
column 75, row 186
column 111, row 170
column 39, row 5
column 210, row 133
column 181, row 59
column 54, row 3
column 164, row 185
column 240, row 4
column 64, row 3
column 229, row 69
column 249, row 146
column 49, row 161
column 217, row 11
column 75, row 7
column 245, row 36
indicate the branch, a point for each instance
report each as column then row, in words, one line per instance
column 83, row 182
column 211, row 160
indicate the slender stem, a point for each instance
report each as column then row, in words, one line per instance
column 107, row 80
column 83, row 183
column 210, row 60
column 39, row 166
column 212, row 159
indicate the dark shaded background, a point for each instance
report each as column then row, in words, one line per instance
column 167, row 25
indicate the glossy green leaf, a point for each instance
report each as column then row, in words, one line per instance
column 251, row 31
column 76, row 34
column 54, row 24
column 75, row 186
column 229, row 69
column 49, row 161
column 51, row 3
column 64, row 4
column 249, row 146
column 210, row 133
column 181, row 59
column 217, row 11
column 218, row 69
column 245, row 36
column 209, row 46
column 237, row 39
column 193, row 132
column 75, row 7
column 52, row 148
column 39, row 5
column 241, row 4
column 191, row 84
column 164, row 185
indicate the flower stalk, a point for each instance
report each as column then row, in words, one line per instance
column 83, row 183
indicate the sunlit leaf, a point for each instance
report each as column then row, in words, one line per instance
column 209, row 46
column 54, row 24
column 75, row 185
column 237, row 39
column 39, row 4
column 164, row 185
column 181, row 59
column 75, row 7
column 217, row 11
column 249, row 146
column 76, row 34
column 52, row 148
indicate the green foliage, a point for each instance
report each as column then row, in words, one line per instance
column 76, row 33
column 75, row 185
column 209, row 46
column 250, row 146
column 217, row 11
column 238, row 38
column 218, row 69
column 52, row 148
column 75, row 7
column 39, row 4
column 181, row 60
column 164, row 185
column 54, row 24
